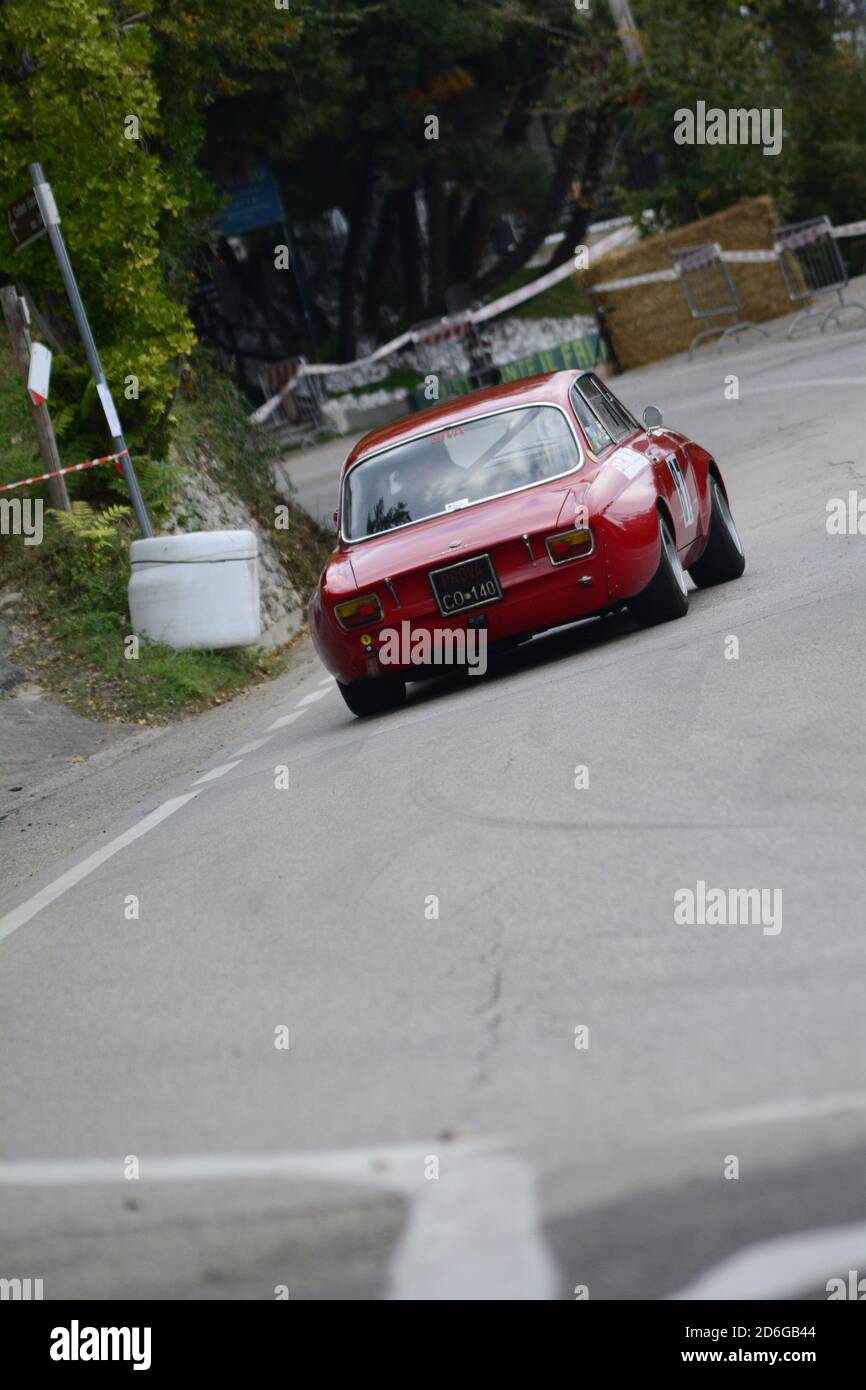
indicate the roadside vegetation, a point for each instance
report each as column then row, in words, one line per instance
column 75, row 614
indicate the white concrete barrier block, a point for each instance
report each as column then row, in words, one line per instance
column 196, row 591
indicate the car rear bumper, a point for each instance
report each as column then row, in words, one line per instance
column 543, row 595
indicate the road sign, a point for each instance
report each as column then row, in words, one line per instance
column 254, row 203
column 39, row 373
column 25, row 220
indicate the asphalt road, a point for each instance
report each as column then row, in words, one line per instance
column 418, row 1042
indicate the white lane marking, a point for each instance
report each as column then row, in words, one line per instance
column 286, row 719
column 783, row 1267
column 313, row 696
column 251, row 747
column 22, row 914
column 473, row 1232
column 817, row 381
column 329, row 680
column 802, row 1108
column 214, row 773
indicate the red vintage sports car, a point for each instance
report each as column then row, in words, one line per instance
column 509, row 511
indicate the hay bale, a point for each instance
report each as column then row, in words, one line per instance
column 649, row 322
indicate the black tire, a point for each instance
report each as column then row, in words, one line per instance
column 666, row 596
column 373, row 696
column 723, row 556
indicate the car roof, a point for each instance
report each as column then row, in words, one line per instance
column 549, row 388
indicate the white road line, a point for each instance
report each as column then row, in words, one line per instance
column 329, row 680
column 783, row 1267
column 313, row 696
column 473, row 1231
column 15, row 919
column 817, row 381
column 286, row 719
column 251, row 747
column 215, row 772
column 802, row 1108
column 381, row 1165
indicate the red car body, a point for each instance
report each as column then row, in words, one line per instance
column 621, row 488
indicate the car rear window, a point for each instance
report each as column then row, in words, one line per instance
column 472, row 461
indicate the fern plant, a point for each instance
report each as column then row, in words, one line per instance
column 94, row 535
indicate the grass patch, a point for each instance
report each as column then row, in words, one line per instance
column 400, row 379
column 80, row 661
column 559, row 302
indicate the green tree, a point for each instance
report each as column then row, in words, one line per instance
column 820, row 46
column 113, row 101
column 77, row 94
column 716, row 51
column 805, row 57
column 352, row 130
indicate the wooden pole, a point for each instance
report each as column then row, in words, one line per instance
column 58, row 497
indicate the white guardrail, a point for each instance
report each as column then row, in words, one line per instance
column 611, row 242
column 624, row 232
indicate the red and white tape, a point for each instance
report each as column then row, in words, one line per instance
column 613, row 240
column 735, row 257
column 73, row 468
column 850, row 229
column 447, row 326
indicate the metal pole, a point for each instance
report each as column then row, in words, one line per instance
column 628, row 33
column 298, row 267
column 51, row 218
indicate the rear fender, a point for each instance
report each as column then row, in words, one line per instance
column 629, row 529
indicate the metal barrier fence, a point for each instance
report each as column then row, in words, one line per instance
column 441, row 345
column 702, row 272
column 300, row 396
column 812, row 264
column 454, row 347
column 710, row 292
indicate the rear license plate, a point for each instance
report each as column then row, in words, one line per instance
column 468, row 584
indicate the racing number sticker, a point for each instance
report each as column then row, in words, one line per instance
column 673, row 464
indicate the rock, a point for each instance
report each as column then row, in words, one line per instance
column 205, row 505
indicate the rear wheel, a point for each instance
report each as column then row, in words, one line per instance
column 723, row 556
column 373, row 696
column 667, row 595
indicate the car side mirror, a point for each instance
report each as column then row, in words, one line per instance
column 652, row 417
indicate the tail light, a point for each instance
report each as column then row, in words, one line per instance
column 570, row 545
column 358, row 612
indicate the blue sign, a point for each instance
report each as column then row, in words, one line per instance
column 253, row 204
